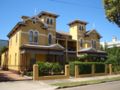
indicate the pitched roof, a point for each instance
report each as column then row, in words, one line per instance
column 63, row 33
column 50, row 47
column 22, row 23
column 91, row 31
column 91, row 50
column 47, row 13
column 77, row 21
column 15, row 27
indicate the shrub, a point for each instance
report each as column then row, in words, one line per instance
column 116, row 68
column 99, row 68
column 29, row 73
column 46, row 68
column 56, row 67
column 72, row 68
column 43, row 70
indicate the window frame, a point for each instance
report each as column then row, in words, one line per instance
column 81, row 43
column 31, row 35
column 49, row 39
column 36, row 37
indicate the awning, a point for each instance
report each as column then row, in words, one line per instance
column 91, row 51
column 54, row 49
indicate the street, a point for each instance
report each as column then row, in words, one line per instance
column 103, row 86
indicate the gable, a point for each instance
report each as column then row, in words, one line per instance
column 28, row 23
column 94, row 34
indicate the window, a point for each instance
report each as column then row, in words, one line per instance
column 31, row 36
column 93, row 44
column 36, row 37
column 16, row 38
column 49, row 39
column 86, row 45
column 10, row 59
column 15, row 58
column 51, row 21
column 80, row 28
column 47, row 20
column 81, row 43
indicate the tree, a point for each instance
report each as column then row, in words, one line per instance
column 3, row 49
column 113, row 55
column 112, row 11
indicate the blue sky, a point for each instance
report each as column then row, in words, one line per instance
column 88, row 10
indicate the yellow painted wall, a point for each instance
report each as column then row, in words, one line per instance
column 43, row 34
column 4, row 60
column 22, row 36
column 74, row 32
column 14, row 45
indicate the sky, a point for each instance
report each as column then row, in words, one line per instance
column 91, row 11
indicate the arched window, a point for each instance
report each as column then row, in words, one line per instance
column 36, row 37
column 81, row 43
column 51, row 21
column 48, row 20
column 49, row 39
column 31, row 36
column 93, row 44
column 79, row 27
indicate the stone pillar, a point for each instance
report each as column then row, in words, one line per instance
column 76, row 71
column 106, row 67
column 93, row 69
column 110, row 69
column 35, row 72
column 67, row 71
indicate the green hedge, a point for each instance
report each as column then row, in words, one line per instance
column 86, row 67
column 46, row 68
column 99, row 68
column 116, row 68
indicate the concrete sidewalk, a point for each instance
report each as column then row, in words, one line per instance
column 79, row 79
column 45, row 84
column 26, row 85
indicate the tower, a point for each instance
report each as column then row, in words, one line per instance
column 77, row 31
column 49, row 19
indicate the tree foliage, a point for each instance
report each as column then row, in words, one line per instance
column 113, row 55
column 3, row 49
column 112, row 11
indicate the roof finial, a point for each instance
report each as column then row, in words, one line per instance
column 93, row 26
column 35, row 11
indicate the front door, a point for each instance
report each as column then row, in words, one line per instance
column 32, row 61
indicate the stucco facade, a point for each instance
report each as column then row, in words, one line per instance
column 36, row 39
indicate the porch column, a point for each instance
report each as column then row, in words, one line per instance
column 66, row 47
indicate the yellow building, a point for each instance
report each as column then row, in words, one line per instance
column 36, row 39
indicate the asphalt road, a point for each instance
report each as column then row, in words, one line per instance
column 103, row 86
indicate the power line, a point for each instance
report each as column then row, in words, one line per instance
column 76, row 4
